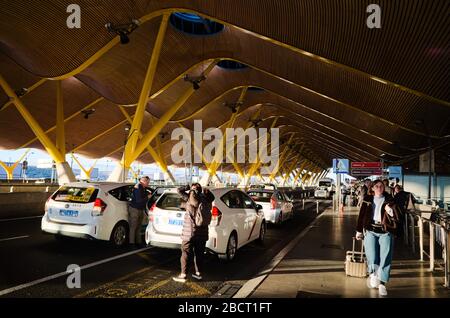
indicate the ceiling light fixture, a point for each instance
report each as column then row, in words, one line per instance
column 123, row 30
column 195, row 80
column 88, row 112
column 233, row 106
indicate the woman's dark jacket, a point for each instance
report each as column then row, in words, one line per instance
column 192, row 203
column 365, row 218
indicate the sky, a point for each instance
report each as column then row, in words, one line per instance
column 35, row 156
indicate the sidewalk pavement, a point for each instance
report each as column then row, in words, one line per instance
column 314, row 267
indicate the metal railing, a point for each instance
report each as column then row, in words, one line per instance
column 439, row 232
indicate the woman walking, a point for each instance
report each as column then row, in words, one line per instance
column 378, row 224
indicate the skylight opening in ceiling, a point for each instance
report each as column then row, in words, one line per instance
column 194, row 24
column 231, row 65
column 256, row 89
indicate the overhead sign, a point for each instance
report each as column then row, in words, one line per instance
column 395, row 172
column 341, row 166
column 367, row 168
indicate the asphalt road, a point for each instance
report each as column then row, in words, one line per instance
column 34, row 264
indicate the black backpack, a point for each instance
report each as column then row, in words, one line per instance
column 203, row 214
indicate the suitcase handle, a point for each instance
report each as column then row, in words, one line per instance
column 353, row 249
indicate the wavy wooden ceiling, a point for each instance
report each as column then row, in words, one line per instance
column 346, row 90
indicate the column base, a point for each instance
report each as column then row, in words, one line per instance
column 65, row 173
column 119, row 174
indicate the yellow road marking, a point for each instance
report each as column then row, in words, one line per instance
column 197, row 290
column 143, row 293
column 104, row 286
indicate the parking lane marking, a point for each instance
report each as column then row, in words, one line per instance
column 51, row 277
column 14, row 238
column 144, row 270
column 24, row 218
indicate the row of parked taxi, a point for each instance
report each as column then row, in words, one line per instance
column 99, row 211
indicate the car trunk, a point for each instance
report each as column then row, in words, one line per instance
column 167, row 214
column 72, row 205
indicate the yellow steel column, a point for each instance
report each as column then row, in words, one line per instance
column 235, row 164
column 29, row 90
column 65, row 120
column 294, row 164
column 145, row 92
column 319, row 173
column 87, row 172
column 302, row 166
column 151, row 134
column 291, row 168
column 157, row 157
column 306, row 173
column 34, row 125
column 198, row 151
column 158, row 142
column 281, row 158
column 10, row 169
column 215, row 164
column 60, row 134
column 254, row 167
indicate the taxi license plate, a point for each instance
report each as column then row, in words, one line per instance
column 175, row 222
column 71, row 213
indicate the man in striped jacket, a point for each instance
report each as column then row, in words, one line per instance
column 193, row 237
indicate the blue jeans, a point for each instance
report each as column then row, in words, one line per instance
column 379, row 249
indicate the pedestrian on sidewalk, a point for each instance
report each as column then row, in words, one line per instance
column 378, row 223
column 364, row 190
column 198, row 205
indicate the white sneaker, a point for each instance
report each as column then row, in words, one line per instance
column 382, row 291
column 373, row 281
column 180, row 278
column 197, row 276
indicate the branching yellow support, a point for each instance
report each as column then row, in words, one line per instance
column 291, row 168
column 65, row 120
column 29, row 90
column 145, row 91
column 282, row 158
column 254, row 167
column 10, row 169
column 157, row 157
column 87, row 172
column 215, row 164
column 31, row 121
column 300, row 170
column 151, row 134
column 60, row 135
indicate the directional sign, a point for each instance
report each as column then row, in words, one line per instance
column 366, row 168
column 341, row 166
column 375, row 164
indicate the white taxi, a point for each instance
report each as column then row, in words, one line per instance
column 89, row 210
column 236, row 221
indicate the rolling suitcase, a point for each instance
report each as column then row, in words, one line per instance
column 356, row 262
